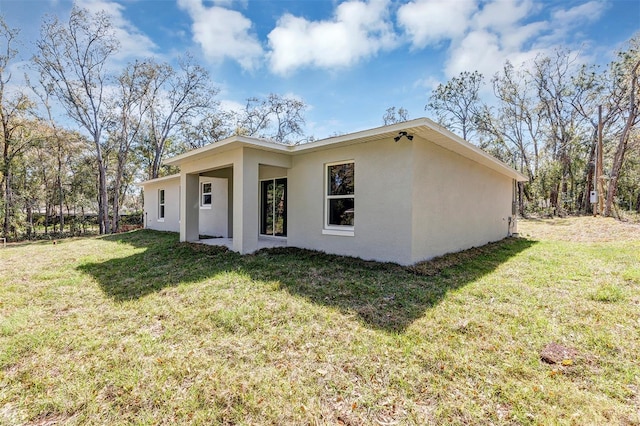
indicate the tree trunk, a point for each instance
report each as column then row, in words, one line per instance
column 116, row 191
column 7, row 192
column 60, row 194
column 622, row 144
column 588, row 176
column 116, row 207
column 46, row 217
column 7, row 205
column 554, row 199
column 521, row 198
column 103, row 214
column 157, row 158
column 617, row 165
column 29, row 220
column 615, row 171
column 103, row 196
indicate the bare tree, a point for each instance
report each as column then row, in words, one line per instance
column 518, row 117
column 289, row 118
column 515, row 124
column 457, row 103
column 133, row 86
column 175, row 97
column 552, row 78
column 393, row 115
column 626, row 72
column 56, row 141
column 72, row 59
column 213, row 127
column 275, row 117
column 14, row 108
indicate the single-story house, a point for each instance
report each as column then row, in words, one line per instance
column 401, row 193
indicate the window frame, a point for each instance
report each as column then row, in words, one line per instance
column 202, row 194
column 331, row 229
column 162, row 201
column 261, row 207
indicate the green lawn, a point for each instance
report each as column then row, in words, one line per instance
column 140, row 329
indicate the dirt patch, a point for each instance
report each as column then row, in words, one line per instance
column 555, row 353
column 579, row 229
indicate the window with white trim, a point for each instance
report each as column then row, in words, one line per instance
column 205, row 194
column 340, row 196
column 161, row 204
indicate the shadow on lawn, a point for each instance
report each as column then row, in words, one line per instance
column 383, row 295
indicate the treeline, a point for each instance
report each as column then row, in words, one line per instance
column 129, row 117
column 546, row 118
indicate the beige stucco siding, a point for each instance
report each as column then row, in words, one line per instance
column 457, row 203
column 428, row 194
column 171, row 208
column 382, row 224
column 213, row 219
column 272, row 172
column 240, row 167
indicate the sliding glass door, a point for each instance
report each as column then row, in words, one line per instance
column 273, row 207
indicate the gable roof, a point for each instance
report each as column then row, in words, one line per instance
column 422, row 127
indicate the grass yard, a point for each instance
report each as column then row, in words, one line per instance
column 138, row 328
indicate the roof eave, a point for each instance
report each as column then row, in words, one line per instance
column 424, row 127
column 229, row 143
column 160, row 179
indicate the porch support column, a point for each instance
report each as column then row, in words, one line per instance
column 189, row 207
column 245, row 203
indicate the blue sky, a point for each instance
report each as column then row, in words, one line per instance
column 348, row 60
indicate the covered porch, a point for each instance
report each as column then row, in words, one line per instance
column 242, row 171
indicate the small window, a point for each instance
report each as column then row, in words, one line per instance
column 205, row 194
column 161, row 204
column 340, row 196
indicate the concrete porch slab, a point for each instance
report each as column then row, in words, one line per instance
column 263, row 242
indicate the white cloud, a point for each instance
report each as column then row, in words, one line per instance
column 590, row 11
column 500, row 32
column 484, row 51
column 502, row 15
column 479, row 50
column 432, row 21
column 494, row 35
column 133, row 43
column 223, row 33
column 231, row 105
column 481, row 35
column 358, row 30
column 429, row 82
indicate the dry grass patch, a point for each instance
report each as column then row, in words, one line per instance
column 141, row 329
column 586, row 229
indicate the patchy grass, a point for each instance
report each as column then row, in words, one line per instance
column 138, row 328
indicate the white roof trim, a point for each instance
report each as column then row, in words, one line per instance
column 160, row 179
column 230, row 142
column 423, row 127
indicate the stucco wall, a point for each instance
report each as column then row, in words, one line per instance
column 213, row 219
column 171, row 209
column 271, row 172
column 243, row 164
column 413, row 199
column 382, row 224
column 457, row 203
